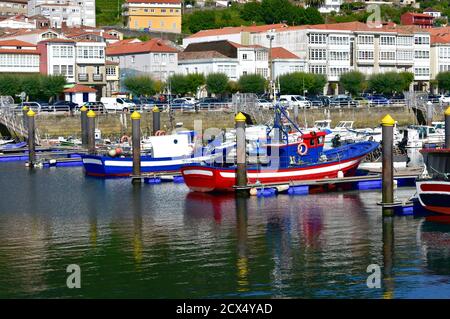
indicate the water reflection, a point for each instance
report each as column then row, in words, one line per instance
column 435, row 239
column 162, row 241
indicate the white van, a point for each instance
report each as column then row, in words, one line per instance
column 290, row 101
column 118, row 104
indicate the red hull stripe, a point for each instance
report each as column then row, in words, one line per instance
column 439, row 209
column 443, row 188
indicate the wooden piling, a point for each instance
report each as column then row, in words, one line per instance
column 241, row 154
column 136, row 140
column 156, row 119
column 91, row 131
column 387, row 165
column 25, row 110
column 84, row 128
column 31, row 138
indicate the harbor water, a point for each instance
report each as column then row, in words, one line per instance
column 161, row 241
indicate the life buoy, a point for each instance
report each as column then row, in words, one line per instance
column 302, row 149
column 160, row 133
column 124, row 139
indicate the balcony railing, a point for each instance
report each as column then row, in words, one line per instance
column 97, row 77
column 83, row 77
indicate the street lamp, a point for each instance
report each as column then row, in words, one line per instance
column 270, row 36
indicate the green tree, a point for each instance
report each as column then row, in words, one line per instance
column 178, row 84
column 31, row 85
column 299, row 82
column 353, row 82
column 443, row 79
column 217, row 83
column 314, row 16
column 390, row 82
column 252, row 83
column 10, row 84
column 201, row 20
column 407, row 79
column 194, row 82
column 252, row 11
column 140, row 85
column 52, row 86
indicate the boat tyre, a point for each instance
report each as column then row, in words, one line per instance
column 124, row 139
column 160, row 133
column 302, row 149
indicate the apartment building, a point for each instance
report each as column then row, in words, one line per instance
column 64, row 12
column 112, row 77
column 235, row 59
column 334, row 49
column 330, row 6
column 58, row 57
column 13, row 7
column 440, row 51
column 18, row 57
column 153, row 15
column 421, row 20
column 90, row 65
column 154, row 58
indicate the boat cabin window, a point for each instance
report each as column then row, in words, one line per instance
column 321, row 139
column 312, row 142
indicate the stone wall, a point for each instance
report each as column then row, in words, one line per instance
column 111, row 125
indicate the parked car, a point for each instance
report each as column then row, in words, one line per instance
column 361, row 100
column 315, row 100
column 207, row 103
column 95, row 106
column 190, row 99
column 378, row 99
column 264, row 104
column 342, row 101
column 181, row 104
column 290, row 101
column 445, row 98
column 118, row 104
column 63, row 106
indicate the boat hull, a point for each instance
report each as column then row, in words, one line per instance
column 434, row 195
column 216, row 179
column 104, row 166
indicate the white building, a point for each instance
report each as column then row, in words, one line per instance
column 18, row 57
column 334, row 49
column 70, row 12
column 440, row 51
column 153, row 58
column 58, row 57
column 236, row 60
column 330, row 6
column 432, row 12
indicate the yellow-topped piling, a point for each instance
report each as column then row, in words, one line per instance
column 135, row 116
column 91, row 113
column 83, row 108
column 31, row 113
column 155, row 109
column 387, row 121
column 240, row 117
column 25, row 108
column 447, row 127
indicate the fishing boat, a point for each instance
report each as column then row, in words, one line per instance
column 285, row 161
column 433, row 189
column 166, row 153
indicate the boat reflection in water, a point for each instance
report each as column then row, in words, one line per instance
column 435, row 244
column 306, row 242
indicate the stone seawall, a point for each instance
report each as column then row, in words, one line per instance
column 51, row 125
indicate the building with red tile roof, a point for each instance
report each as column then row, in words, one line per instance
column 156, row 58
column 419, row 19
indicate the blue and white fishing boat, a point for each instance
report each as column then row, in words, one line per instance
column 166, row 153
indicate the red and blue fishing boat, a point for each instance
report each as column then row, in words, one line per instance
column 285, row 161
column 164, row 154
column 433, row 191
